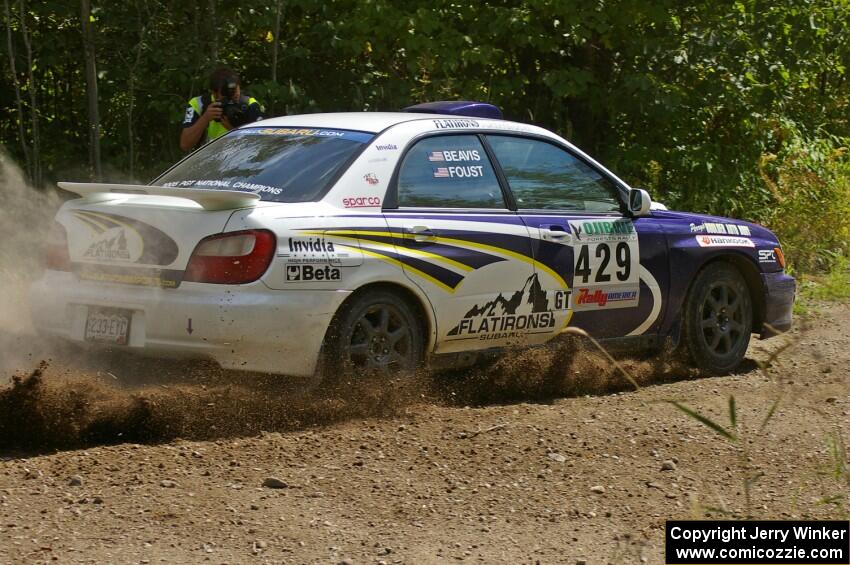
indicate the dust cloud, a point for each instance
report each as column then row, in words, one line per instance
column 25, row 218
column 119, row 398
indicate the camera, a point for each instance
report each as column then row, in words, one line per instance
column 235, row 110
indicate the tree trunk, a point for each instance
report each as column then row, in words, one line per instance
column 32, row 88
column 91, row 89
column 16, row 83
column 276, row 40
column 213, row 34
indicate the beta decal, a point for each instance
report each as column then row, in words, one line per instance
column 371, row 178
column 459, row 155
column 453, row 124
column 362, row 202
column 723, row 241
column 309, row 273
column 471, row 171
column 598, row 298
column 527, row 311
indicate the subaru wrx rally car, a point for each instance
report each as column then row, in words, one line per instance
column 378, row 240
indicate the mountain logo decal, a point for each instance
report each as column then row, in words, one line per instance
column 525, row 311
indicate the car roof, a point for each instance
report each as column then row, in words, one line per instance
column 372, row 122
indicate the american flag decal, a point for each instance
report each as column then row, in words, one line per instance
column 436, row 156
column 441, row 173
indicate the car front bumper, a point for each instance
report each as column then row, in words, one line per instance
column 779, row 290
column 248, row 327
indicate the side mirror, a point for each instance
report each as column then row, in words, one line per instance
column 639, row 202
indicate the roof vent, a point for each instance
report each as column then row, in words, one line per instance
column 458, row 108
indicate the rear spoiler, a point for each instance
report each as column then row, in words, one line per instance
column 208, row 199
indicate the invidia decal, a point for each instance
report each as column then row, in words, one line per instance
column 528, row 310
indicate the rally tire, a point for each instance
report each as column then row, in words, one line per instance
column 375, row 331
column 718, row 319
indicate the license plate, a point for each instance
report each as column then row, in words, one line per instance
column 108, row 325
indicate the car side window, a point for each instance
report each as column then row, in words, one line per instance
column 543, row 176
column 449, row 171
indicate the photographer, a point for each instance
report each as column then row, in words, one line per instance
column 214, row 114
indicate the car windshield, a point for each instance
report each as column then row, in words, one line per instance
column 281, row 164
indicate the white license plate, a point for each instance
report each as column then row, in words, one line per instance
column 108, row 325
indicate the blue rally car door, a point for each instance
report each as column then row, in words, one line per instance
column 459, row 242
column 612, row 267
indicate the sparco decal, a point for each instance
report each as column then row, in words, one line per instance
column 723, row 241
column 452, row 124
column 310, row 273
column 526, row 311
column 362, row 202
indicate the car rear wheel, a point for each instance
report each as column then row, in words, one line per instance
column 377, row 331
column 718, row 319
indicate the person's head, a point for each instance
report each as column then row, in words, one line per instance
column 225, row 81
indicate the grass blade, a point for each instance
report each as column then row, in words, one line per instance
column 770, row 413
column 733, row 413
column 704, row 420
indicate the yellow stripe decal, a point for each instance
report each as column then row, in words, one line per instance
column 83, row 217
column 403, row 267
column 460, row 243
column 404, row 251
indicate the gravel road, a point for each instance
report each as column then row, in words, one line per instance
column 479, row 471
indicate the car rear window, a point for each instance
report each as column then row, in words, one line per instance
column 280, row 164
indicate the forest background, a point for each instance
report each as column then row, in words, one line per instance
column 738, row 108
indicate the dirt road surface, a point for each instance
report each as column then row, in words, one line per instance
column 498, row 476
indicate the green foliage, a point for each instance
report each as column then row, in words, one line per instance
column 736, row 109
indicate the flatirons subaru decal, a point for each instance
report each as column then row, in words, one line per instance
column 528, row 310
column 118, row 239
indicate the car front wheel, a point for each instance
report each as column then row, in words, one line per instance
column 718, row 319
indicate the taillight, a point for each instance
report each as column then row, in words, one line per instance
column 780, row 256
column 58, row 258
column 231, row 258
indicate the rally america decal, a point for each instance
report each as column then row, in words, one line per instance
column 606, row 271
column 529, row 310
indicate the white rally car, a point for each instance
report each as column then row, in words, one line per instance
column 378, row 239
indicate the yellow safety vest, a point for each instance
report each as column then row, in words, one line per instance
column 214, row 129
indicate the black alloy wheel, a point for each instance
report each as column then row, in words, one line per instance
column 376, row 331
column 718, row 319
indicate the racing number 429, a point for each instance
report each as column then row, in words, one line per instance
column 622, row 258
